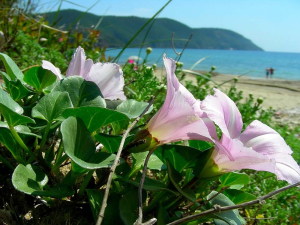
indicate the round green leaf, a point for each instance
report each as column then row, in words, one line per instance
column 238, row 196
column 95, row 117
column 179, row 156
column 29, row 179
column 6, row 100
column 81, row 92
column 11, row 67
column 133, row 108
column 51, row 106
column 15, row 87
column 232, row 179
column 80, row 147
column 227, row 217
column 175, row 178
column 39, row 78
column 12, row 118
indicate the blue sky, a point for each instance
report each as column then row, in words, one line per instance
column 273, row 25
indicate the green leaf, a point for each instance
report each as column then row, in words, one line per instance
column 238, row 196
column 111, row 215
column 129, row 206
column 11, row 67
column 155, row 163
column 176, row 178
column 179, row 156
column 12, row 118
column 234, row 180
column 9, row 141
column 149, row 184
column 112, row 104
column 24, row 130
column 111, row 142
column 6, row 100
column 20, row 129
column 39, row 78
column 119, row 126
column 51, row 106
column 80, row 147
column 201, row 162
column 16, row 89
column 81, row 92
column 95, row 117
column 133, row 108
column 31, row 180
column 230, row 217
column 201, row 145
column 139, row 161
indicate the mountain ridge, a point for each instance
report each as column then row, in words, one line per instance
column 116, row 31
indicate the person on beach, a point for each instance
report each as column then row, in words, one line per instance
column 267, row 72
column 271, row 72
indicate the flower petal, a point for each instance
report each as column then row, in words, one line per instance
column 109, row 78
column 286, row 168
column 242, row 157
column 178, row 118
column 78, row 65
column 49, row 66
column 268, row 142
column 264, row 139
column 223, row 111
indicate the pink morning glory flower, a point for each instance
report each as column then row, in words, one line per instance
column 259, row 147
column 180, row 117
column 108, row 76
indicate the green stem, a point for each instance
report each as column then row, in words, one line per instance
column 44, row 139
column 33, row 99
column 58, row 162
column 60, row 151
column 159, row 197
column 70, row 178
column 85, row 182
column 21, row 143
column 4, row 161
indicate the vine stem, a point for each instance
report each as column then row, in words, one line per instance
column 116, row 161
column 139, row 220
column 227, row 208
column 21, row 143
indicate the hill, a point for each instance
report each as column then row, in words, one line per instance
column 116, row 31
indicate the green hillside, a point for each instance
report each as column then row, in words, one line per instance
column 116, row 31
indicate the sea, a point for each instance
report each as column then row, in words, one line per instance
column 236, row 62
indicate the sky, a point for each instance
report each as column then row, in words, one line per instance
column 273, row 25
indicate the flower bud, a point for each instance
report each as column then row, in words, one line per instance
column 179, row 64
column 43, row 39
column 260, row 100
column 213, row 68
column 154, row 66
column 235, row 79
column 148, row 50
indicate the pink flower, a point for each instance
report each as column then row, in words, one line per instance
column 60, row 39
column 108, row 76
column 180, row 117
column 259, row 147
column 130, row 61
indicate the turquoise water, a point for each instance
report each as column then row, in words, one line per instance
column 251, row 63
